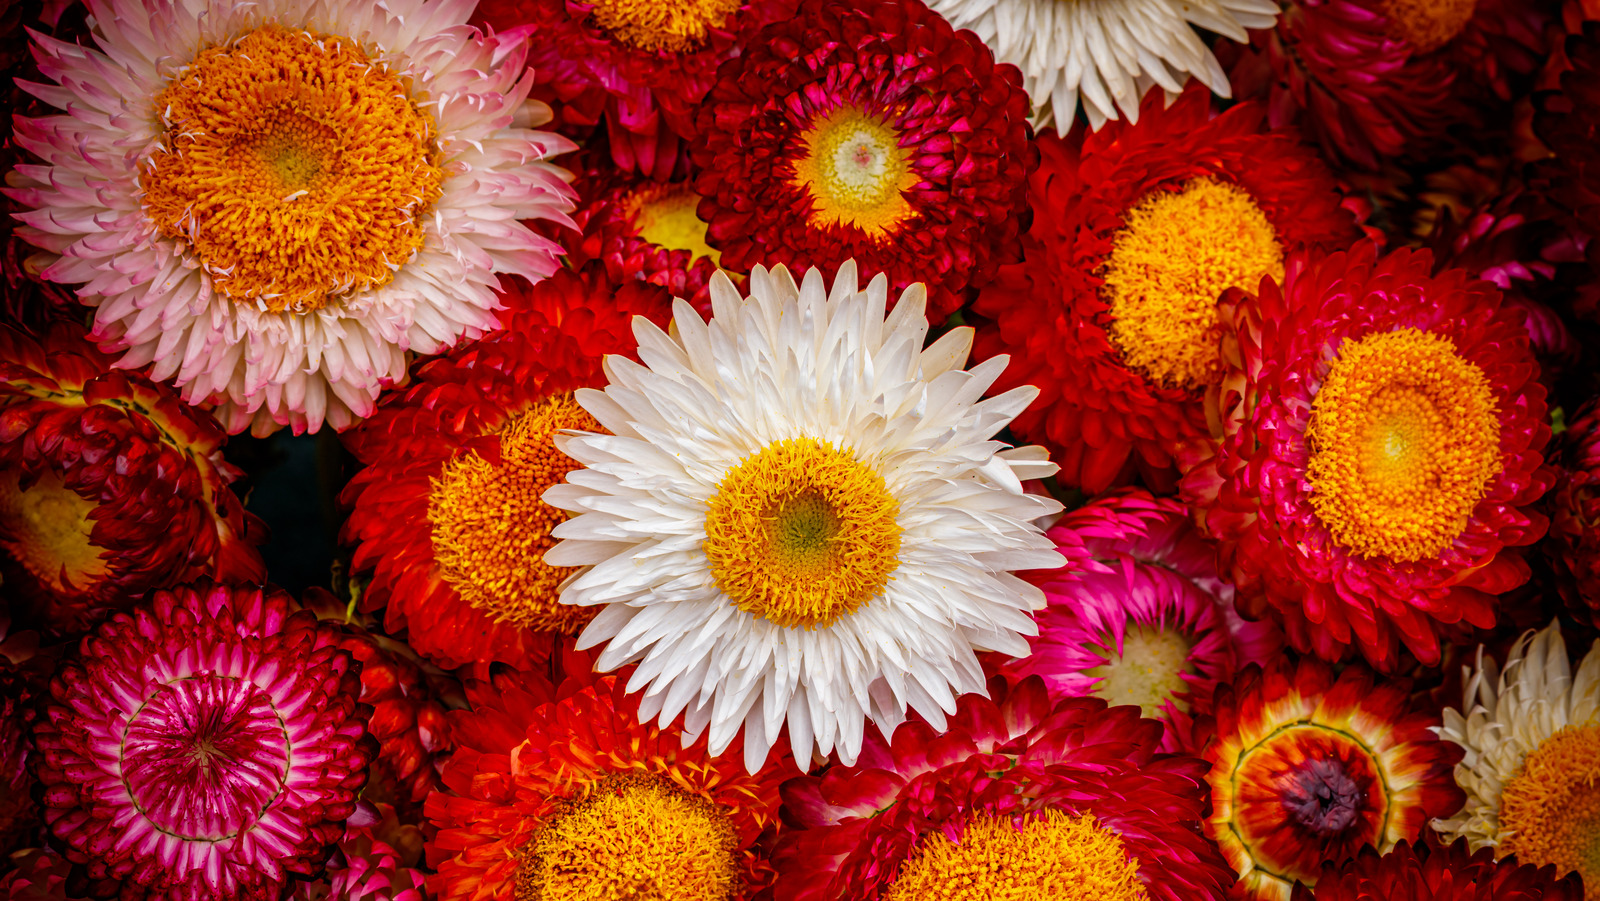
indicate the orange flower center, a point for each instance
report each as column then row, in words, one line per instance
column 491, row 530
column 633, row 838
column 855, row 171
column 665, row 215
column 295, row 167
column 670, row 25
column 1051, row 857
column 801, row 533
column 1550, row 811
column 1148, row 671
column 1405, row 439
column 46, row 529
column 1428, row 24
column 1176, row 254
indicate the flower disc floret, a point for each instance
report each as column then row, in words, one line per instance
column 272, row 204
column 796, row 481
column 891, row 140
column 1378, row 451
column 206, row 745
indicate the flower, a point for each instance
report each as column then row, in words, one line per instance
column 1112, row 52
column 272, row 218
column 24, row 674
column 1137, row 231
column 1308, row 767
column 1381, row 436
column 1420, row 871
column 1140, row 616
column 446, row 515
column 1574, row 545
column 1564, row 121
column 204, row 745
column 1530, row 733
column 564, row 791
column 874, row 133
column 799, row 516
column 363, row 868
column 645, row 230
column 644, row 67
column 109, row 485
column 1067, row 798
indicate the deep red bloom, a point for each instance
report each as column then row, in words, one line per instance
column 1014, row 755
column 1308, row 767
column 206, row 745
column 930, row 133
column 530, row 753
column 1424, row 871
column 1255, row 493
column 1568, row 122
column 110, row 485
column 1099, row 415
column 1574, row 505
column 455, row 418
column 1140, row 614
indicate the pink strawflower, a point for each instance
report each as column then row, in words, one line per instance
column 206, row 745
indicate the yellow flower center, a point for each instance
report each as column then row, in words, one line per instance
column 1149, row 671
column 671, row 25
column 665, row 215
column 294, row 167
column 801, row 533
column 46, row 529
column 1405, row 439
column 1054, row 857
column 1550, row 810
column 855, row 171
column 633, row 839
column 491, row 530
column 1428, row 24
column 1176, row 254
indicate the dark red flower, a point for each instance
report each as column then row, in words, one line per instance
column 868, row 132
column 1574, row 505
column 1424, row 871
column 1138, row 228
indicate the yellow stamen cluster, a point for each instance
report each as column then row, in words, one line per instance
column 665, row 215
column 855, row 171
column 491, row 530
column 801, row 533
column 1428, row 24
column 1176, row 254
column 673, row 26
column 1149, row 671
column 1550, row 810
column 1405, row 439
column 46, row 529
column 1053, row 857
column 294, row 167
column 633, row 839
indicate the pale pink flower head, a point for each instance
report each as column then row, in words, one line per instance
column 207, row 745
column 1139, row 615
column 270, row 203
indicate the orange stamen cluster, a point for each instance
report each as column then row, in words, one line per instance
column 294, row 167
column 1550, row 810
column 1428, row 24
column 1405, row 439
column 46, row 529
column 673, row 26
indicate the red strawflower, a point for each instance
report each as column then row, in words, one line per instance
column 1342, row 72
column 37, row 874
column 1568, row 123
column 206, row 745
column 1308, row 767
column 1574, row 505
column 1381, row 441
column 643, row 68
column 560, row 791
column 873, row 133
column 110, row 485
column 643, row 229
column 1028, row 776
column 1140, row 616
column 446, row 515
column 1138, row 228
column 364, row 868
column 1424, row 871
